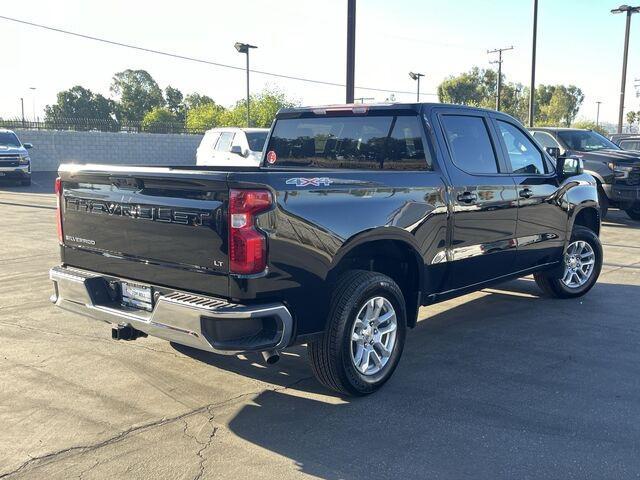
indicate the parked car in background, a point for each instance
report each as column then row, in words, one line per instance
column 232, row 147
column 617, row 171
column 15, row 163
column 358, row 215
column 627, row 141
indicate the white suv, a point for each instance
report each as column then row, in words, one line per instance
column 232, row 147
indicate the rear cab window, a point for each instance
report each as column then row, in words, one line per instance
column 380, row 142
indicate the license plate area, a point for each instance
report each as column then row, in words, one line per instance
column 137, row 296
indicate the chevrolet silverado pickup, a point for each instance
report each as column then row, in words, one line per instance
column 358, row 215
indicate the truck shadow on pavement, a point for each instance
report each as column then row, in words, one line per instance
column 507, row 384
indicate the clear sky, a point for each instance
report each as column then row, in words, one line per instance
column 579, row 42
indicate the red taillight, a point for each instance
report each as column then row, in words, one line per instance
column 58, row 190
column 247, row 245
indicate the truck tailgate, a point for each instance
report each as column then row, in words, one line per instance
column 153, row 224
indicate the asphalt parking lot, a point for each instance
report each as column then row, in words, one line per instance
column 502, row 383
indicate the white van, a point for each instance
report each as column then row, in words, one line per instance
column 232, row 147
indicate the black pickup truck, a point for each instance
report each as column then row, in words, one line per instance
column 617, row 171
column 358, row 216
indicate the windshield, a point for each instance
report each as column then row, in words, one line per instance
column 9, row 139
column 256, row 140
column 585, row 140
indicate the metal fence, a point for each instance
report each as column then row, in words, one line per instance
column 97, row 125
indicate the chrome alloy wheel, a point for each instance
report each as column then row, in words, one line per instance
column 373, row 335
column 579, row 262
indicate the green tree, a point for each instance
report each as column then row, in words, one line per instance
column 264, row 107
column 203, row 117
column 194, row 100
column 174, row 102
column 474, row 88
column 478, row 87
column 137, row 93
column 80, row 102
column 160, row 120
column 558, row 105
column 633, row 117
column 589, row 125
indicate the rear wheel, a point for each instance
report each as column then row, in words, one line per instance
column 634, row 211
column 582, row 263
column 365, row 334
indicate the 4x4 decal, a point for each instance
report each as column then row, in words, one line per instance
column 314, row 182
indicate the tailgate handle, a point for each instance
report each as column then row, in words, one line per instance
column 126, row 183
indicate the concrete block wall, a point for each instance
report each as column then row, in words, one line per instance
column 53, row 147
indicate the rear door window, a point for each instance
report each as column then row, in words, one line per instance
column 470, row 144
column 224, row 142
column 367, row 142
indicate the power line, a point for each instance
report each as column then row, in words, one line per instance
column 198, row 60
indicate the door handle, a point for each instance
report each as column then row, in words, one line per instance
column 526, row 193
column 467, row 197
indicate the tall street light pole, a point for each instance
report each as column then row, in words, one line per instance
column 351, row 50
column 22, row 108
column 532, row 86
column 499, row 62
column 244, row 48
column 629, row 11
column 598, row 114
column 416, row 76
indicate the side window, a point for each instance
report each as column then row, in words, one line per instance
column 545, row 139
column 211, row 139
column 630, row 144
column 525, row 158
column 224, row 142
column 470, row 144
column 405, row 149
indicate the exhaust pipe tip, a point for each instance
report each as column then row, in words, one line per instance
column 270, row 357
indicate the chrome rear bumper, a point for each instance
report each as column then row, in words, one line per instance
column 188, row 319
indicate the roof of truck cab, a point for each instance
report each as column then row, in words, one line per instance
column 560, row 129
column 364, row 107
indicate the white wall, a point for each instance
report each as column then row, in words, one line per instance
column 53, row 147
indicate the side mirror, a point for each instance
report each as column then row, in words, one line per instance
column 237, row 150
column 553, row 151
column 569, row 166
column 27, row 145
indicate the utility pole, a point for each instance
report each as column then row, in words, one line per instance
column 598, row 115
column 351, row 49
column 629, row 11
column 22, row 108
column 499, row 62
column 416, row 76
column 244, row 48
column 33, row 101
column 532, row 87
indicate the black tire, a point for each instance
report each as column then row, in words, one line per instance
column 330, row 355
column 603, row 200
column 554, row 287
column 634, row 211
